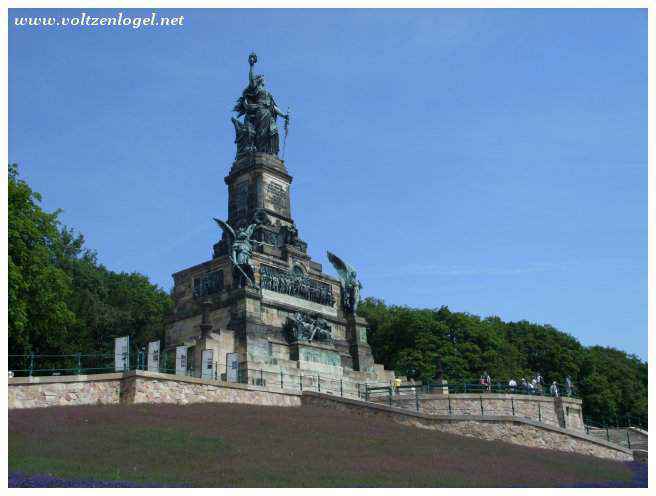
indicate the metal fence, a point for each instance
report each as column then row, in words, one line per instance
column 465, row 387
column 266, row 376
column 75, row 363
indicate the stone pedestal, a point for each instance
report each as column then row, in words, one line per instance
column 356, row 331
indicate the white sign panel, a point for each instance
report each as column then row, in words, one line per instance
column 181, row 360
column 121, row 353
column 232, row 367
column 153, row 356
column 207, row 360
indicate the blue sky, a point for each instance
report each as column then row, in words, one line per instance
column 494, row 161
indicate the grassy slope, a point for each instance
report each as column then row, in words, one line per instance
column 248, row 446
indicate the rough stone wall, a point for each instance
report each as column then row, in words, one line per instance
column 44, row 392
column 165, row 390
column 539, row 408
column 493, row 428
column 141, row 387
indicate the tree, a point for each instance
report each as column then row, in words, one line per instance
column 611, row 383
column 61, row 300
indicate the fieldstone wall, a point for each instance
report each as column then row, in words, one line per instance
column 562, row 412
column 138, row 387
column 37, row 392
column 521, row 431
column 161, row 388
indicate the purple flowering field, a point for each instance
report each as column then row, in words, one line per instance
column 226, row 445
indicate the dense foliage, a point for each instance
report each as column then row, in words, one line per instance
column 61, row 300
column 611, row 383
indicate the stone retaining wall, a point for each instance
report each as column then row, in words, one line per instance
column 521, row 431
column 562, row 412
column 160, row 388
column 137, row 387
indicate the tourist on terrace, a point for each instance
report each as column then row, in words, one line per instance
column 568, row 385
column 525, row 385
column 512, row 384
column 554, row 389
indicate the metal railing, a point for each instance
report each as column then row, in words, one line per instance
column 70, row 364
column 268, row 376
column 474, row 388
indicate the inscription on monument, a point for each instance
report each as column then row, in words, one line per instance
column 209, row 283
column 277, row 196
column 241, row 199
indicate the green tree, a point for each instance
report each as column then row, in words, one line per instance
column 61, row 300
column 40, row 319
column 611, row 383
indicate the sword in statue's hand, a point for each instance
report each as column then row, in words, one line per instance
column 284, row 140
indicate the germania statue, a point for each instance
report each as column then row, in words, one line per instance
column 259, row 131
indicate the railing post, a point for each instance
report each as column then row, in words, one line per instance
column 607, row 434
column 78, row 371
column 341, row 387
column 450, row 411
column 482, row 405
column 366, row 391
column 300, row 381
column 539, row 412
column 281, row 380
column 417, row 398
column 628, row 438
column 390, row 396
column 216, row 370
column 31, row 365
column 512, row 404
column 261, row 379
column 319, row 382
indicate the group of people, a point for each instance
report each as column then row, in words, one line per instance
column 536, row 386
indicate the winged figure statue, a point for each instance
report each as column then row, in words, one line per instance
column 350, row 285
column 240, row 247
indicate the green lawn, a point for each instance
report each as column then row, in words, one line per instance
column 213, row 445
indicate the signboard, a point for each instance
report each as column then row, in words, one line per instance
column 121, row 353
column 153, row 356
column 232, row 367
column 181, row 360
column 207, row 363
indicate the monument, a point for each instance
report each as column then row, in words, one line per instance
column 261, row 304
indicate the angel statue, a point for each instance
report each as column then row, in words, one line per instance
column 350, row 285
column 259, row 130
column 240, row 246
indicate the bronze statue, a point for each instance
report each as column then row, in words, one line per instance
column 259, row 130
column 303, row 327
column 240, row 247
column 350, row 285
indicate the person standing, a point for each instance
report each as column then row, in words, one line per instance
column 554, row 389
column 568, row 385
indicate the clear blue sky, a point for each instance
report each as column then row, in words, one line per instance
column 494, row 161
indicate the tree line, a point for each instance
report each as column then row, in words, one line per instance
column 63, row 301
column 417, row 342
